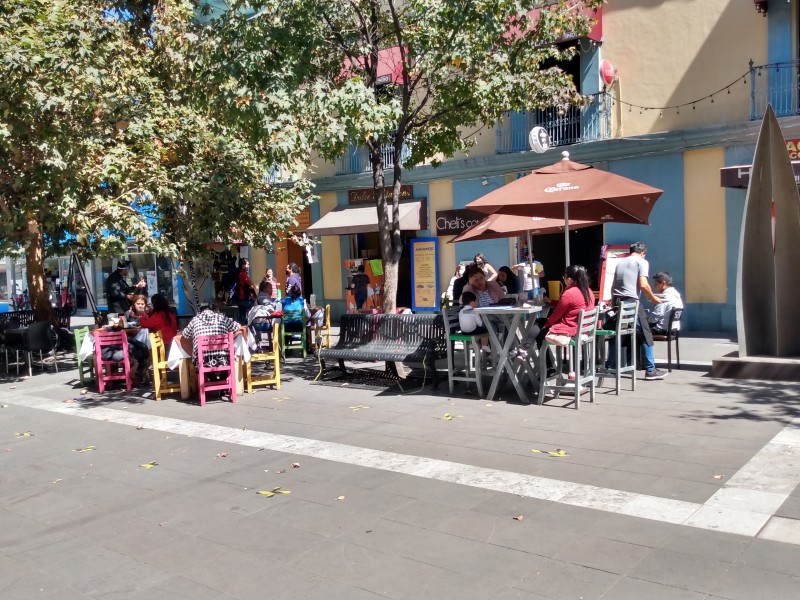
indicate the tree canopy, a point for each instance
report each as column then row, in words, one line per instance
column 133, row 122
column 457, row 65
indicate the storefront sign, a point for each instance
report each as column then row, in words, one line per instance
column 453, row 222
column 793, row 146
column 424, row 279
column 367, row 195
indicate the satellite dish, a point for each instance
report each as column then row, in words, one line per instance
column 539, row 140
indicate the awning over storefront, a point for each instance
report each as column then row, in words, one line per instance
column 345, row 220
column 739, row 175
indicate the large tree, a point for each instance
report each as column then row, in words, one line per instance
column 459, row 65
column 128, row 121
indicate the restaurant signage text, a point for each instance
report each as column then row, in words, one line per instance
column 367, row 195
column 453, row 222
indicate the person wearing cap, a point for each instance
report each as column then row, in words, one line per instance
column 118, row 291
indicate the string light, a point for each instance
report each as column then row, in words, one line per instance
column 692, row 103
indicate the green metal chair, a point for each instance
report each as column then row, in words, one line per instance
column 625, row 325
column 471, row 346
column 85, row 367
column 293, row 332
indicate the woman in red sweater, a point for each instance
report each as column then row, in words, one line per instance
column 161, row 318
column 564, row 319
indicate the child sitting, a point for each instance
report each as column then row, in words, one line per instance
column 470, row 321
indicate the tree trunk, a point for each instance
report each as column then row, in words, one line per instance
column 38, row 290
column 388, row 229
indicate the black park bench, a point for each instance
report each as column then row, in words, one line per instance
column 412, row 338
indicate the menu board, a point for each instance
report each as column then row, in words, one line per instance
column 424, row 276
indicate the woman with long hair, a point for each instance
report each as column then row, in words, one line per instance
column 564, row 319
column 161, row 318
column 487, row 292
column 488, row 270
column 506, row 277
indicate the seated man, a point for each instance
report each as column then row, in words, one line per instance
column 210, row 322
column 670, row 299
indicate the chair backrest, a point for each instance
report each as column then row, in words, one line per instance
column 628, row 311
column 293, row 316
column 41, row 336
column 157, row 349
column 80, row 333
column 587, row 324
column 208, row 343
column 450, row 320
column 103, row 339
column 674, row 317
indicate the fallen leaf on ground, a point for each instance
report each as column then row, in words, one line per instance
column 124, row 407
column 295, row 465
column 719, row 476
column 558, row 452
column 86, row 449
column 4, row 406
column 281, row 471
column 12, row 387
column 24, row 434
column 140, row 427
column 340, row 497
column 59, row 479
column 149, row 465
column 70, row 400
column 273, row 491
column 357, row 407
column 222, row 454
column 449, row 417
column 489, row 404
column 84, row 392
column 519, row 517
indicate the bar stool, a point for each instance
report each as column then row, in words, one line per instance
column 625, row 327
column 580, row 353
column 471, row 346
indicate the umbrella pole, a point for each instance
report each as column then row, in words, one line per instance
column 530, row 255
column 566, row 231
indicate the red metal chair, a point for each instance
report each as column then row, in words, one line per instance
column 105, row 367
column 208, row 343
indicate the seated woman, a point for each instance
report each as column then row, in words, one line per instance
column 161, row 318
column 507, row 279
column 487, row 292
column 564, row 319
column 260, row 316
column 137, row 310
column 296, row 303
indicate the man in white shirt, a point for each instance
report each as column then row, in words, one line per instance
column 670, row 299
column 530, row 277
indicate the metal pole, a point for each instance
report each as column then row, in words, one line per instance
column 566, row 232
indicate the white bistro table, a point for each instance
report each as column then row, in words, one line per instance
column 178, row 358
column 508, row 327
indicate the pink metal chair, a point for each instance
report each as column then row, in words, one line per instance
column 105, row 367
column 205, row 344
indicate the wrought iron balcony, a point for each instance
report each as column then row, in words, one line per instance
column 577, row 124
column 356, row 159
column 775, row 84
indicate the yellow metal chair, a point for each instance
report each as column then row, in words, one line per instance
column 158, row 354
column 324, row 336
column 266, row 357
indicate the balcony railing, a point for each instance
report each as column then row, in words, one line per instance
column 775, row 84
column 356, row 159
column 575, row 125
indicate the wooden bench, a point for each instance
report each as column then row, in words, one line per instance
column 415, row 338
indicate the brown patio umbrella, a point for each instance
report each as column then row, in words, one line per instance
column 503, row 226
column 566, row 189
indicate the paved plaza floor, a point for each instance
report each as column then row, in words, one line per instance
column 685, row 488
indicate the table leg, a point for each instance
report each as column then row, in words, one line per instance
column 239, row 372
column 185, row 379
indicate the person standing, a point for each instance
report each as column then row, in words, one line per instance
column 630, row 279
column 293, row 278
column 488, row 270
column 245, row 290
column 270, row 278
column 118, row 291
column 359, row 285
column 530, row 277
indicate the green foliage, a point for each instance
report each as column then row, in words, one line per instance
column 112, row 108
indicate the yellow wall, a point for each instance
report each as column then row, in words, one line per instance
column 670, row 53
column 704, row 209
column 331, row 252
column 440, row 197
column 258, row 264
